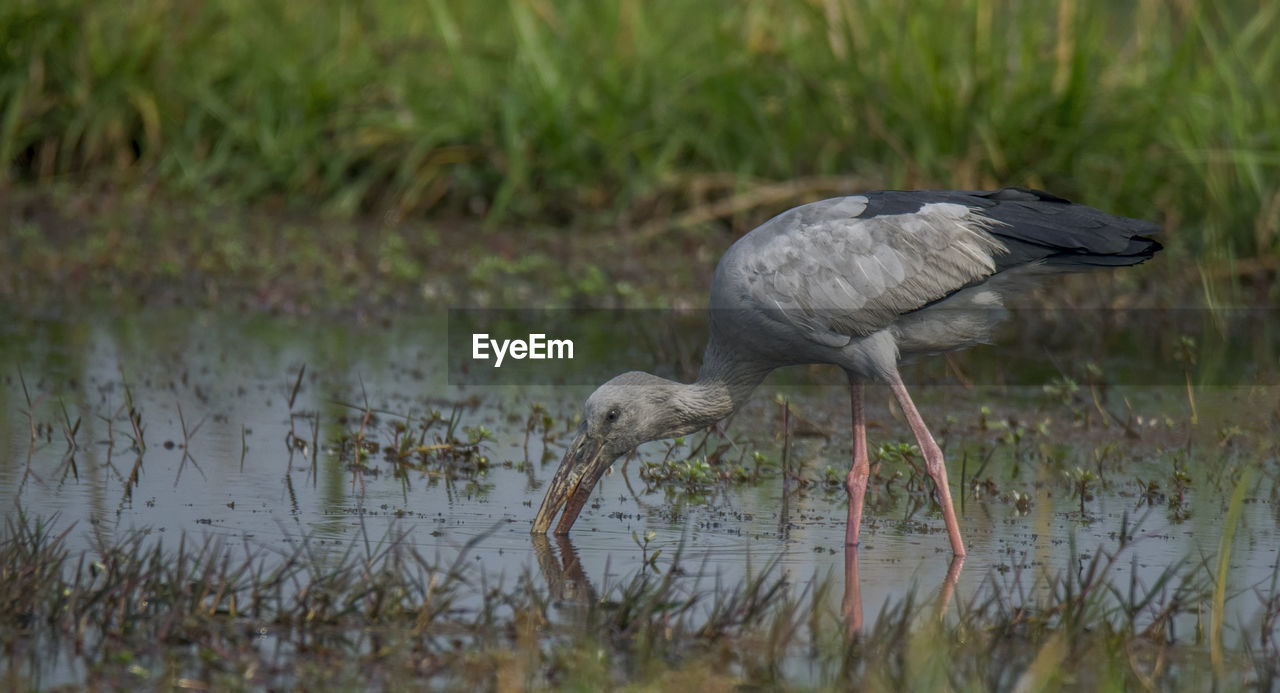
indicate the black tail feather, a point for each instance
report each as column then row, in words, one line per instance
column 1039, row 227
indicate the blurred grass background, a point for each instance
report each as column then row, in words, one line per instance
column 547, row 112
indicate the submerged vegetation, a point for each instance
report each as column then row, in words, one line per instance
column 208, row 615
column 214, row 607
column 657, row 113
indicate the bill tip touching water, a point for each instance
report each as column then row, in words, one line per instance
column 859, row 282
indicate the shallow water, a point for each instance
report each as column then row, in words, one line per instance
column 227, row 454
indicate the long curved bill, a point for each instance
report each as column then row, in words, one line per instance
column 579, row 471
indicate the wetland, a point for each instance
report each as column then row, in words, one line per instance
column 224, row 499
column 245, row 249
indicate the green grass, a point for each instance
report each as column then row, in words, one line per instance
column 549, row 111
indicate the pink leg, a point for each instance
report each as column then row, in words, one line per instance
column 932, row 460
column 949, row 586
column 856, row 482
column 851, row 604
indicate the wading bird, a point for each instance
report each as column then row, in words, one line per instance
column 859, row 282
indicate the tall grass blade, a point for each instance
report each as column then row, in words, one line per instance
column 1229, row 527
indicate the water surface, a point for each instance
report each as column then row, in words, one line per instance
column 238, row 447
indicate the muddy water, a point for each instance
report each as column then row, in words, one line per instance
column 236, row 447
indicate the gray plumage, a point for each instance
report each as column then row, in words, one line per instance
column 859, row 282
column 815, row 282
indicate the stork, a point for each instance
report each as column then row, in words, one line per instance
column 861, row 282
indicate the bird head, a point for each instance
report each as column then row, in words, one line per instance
column 621, row 414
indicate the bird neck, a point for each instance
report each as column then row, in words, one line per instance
column 724, row 384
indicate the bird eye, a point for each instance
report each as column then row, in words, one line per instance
column 612, row 416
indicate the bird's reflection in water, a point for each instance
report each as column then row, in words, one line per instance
column 565, row 579
column 851, row 604
column 568, row 584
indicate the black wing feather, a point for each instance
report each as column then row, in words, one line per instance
column 1038, row 226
